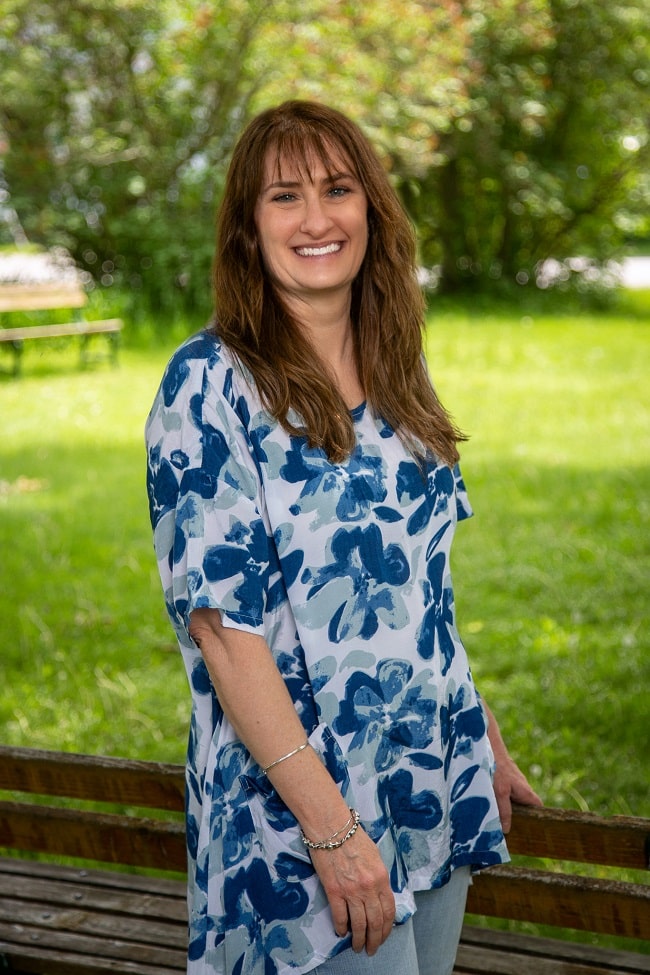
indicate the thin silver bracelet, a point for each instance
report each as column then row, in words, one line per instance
column 300, row 748
column 331, row 843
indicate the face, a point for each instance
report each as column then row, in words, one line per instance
column 312, row 227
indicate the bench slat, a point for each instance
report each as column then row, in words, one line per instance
column 62, row 954
column 42, row 869
column 485, row 951
column 569, row 901
column 105, row 837
column 124, row 915
column 97, row 327
column 618, row 841
column 56, row 888
column 35, row 297
column 153, row 784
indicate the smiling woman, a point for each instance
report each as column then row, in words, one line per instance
column 313, row 233
column 304, row 494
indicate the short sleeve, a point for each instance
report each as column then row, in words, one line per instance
column 463, row 507
column 205, row 498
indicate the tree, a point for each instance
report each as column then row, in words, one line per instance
column 551, row 146
column 514, row 129
column 119, row 115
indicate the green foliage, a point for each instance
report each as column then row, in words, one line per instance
column 514, row 129
column 550, row 575
column 549, row 154
column 119, row 118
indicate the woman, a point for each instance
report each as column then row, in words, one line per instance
column 304, row 490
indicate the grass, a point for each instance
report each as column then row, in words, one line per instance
column 551, row 575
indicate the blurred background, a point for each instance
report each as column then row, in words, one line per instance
column 516, row 131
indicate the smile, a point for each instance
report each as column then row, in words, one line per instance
column 318, row 251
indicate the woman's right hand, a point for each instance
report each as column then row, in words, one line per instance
column 358, row 889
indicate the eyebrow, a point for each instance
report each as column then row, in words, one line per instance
column 288, row 184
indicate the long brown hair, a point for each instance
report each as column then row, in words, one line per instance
column 387, row 304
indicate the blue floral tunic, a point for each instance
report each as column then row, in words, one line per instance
column 344, row 570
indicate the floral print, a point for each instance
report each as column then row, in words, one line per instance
column 344, row 570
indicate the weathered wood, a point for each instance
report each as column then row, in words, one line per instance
column 570, row 901
column 483, row 951
column 617, row 841
column 59, row 920
column 41, row 296
column 134, row 924
column 47, row 952
column 107, row 838
column 150, row 784
column 41, row 871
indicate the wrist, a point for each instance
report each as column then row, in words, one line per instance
column 338, row 838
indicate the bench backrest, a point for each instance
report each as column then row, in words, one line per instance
column 537, row 892
column 107, row 837
column 36, row 297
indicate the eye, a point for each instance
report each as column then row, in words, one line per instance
column 284, row 198
column 339, row 191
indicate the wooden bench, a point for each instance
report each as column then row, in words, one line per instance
column 46, row 296
column 60, row 919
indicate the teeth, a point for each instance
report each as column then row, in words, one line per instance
column 318, row 251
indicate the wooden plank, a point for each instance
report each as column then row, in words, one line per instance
column 104, row 837
column 562, row 834
column 477, row 960
column 34, row 297
column 152, row 903
column 564, row 900
column 123, row 915
column 17, row 868
column 485, row 945
column 50, row 953
column 60, row 331
column 151, row 784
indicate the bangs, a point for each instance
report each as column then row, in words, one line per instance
column 302, row 146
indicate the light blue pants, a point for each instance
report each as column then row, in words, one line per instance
column 424, row 945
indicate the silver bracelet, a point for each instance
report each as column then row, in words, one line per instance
column 331, row 843
column 300, row 748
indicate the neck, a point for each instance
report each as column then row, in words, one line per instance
column 329, row 329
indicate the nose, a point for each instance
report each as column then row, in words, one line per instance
column 315, row 218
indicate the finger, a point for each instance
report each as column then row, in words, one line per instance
column 340, row 916
column 505, row 813
column 374, row 927
column 358, row 926
column 388, row 907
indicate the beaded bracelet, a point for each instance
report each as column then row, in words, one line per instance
column 331, row 843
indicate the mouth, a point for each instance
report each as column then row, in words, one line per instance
column 333, row 248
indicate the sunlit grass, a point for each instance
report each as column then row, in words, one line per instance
column 552, row 574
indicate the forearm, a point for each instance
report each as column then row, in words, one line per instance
column 494, row 733
column 254, row 698
column 510, row 783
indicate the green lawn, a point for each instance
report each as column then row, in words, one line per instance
column 551, row 575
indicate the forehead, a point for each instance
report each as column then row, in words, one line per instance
column 305, row 163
